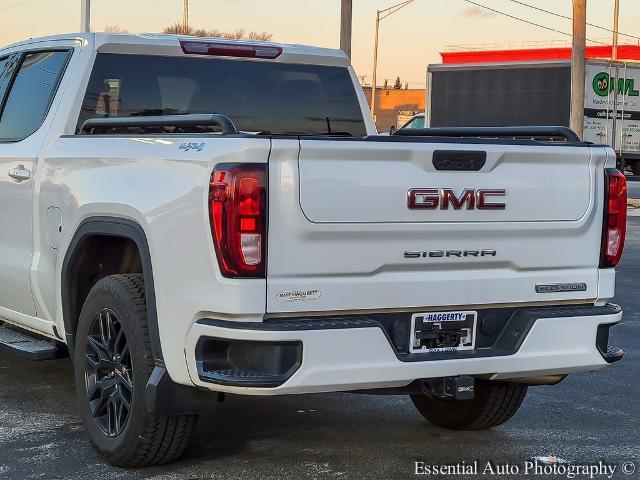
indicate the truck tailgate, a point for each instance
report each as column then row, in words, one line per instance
column 369, row 183
column 342, row 235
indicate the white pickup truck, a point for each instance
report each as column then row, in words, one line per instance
column 193, row 217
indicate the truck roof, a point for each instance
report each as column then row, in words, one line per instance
column 168, row 44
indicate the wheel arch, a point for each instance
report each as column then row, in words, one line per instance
column 116, row 228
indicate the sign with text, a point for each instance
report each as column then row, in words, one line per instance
column 602, row 82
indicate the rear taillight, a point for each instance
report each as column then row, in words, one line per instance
column 615, row 220
column 238, row 199
column 229, row 49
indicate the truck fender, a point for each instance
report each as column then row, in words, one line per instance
column 114, row 227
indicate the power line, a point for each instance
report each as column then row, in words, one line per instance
column 513, row 17
column 17, row 5
column 391, row 10
column 534, row 7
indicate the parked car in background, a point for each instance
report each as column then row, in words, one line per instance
column 417, row 121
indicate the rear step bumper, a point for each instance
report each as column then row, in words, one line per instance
column 286, row 356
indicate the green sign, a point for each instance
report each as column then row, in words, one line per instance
column 603, row 85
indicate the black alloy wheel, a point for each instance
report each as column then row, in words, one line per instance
column 108, row 373
column 114, row 361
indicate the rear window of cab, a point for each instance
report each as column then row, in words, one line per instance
column 257, row 95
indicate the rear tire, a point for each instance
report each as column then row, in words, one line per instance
column 113, row 362
column 493, row 405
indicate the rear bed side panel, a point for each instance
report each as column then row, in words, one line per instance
column 164, row 189
column 339, row 263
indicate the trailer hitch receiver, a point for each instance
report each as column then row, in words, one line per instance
column 450, row 388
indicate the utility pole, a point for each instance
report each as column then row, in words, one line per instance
column 85, row 16
column 578, row 65
column 616, row 17
column 185, row 18
column 381, row 15
column 346, row 22
column 375, row 68
column 616, row 82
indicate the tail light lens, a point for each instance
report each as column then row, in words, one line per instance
column 238, row 218
column 615, row 221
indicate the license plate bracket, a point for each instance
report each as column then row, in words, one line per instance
column 443, row 331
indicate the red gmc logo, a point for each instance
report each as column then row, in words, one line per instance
column 446, row 198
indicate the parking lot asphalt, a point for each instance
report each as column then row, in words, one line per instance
column 633, row 187
column 587, row 418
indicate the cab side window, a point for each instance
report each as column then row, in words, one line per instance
column 7, row 67
column 31, row 93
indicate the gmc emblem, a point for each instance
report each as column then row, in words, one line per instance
column 445, row 198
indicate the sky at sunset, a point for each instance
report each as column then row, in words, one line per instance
column 409, row 40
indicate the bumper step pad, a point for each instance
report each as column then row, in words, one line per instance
column 613, row 354
column 26, row 346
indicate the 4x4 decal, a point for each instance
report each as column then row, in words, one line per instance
column 198, row 147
